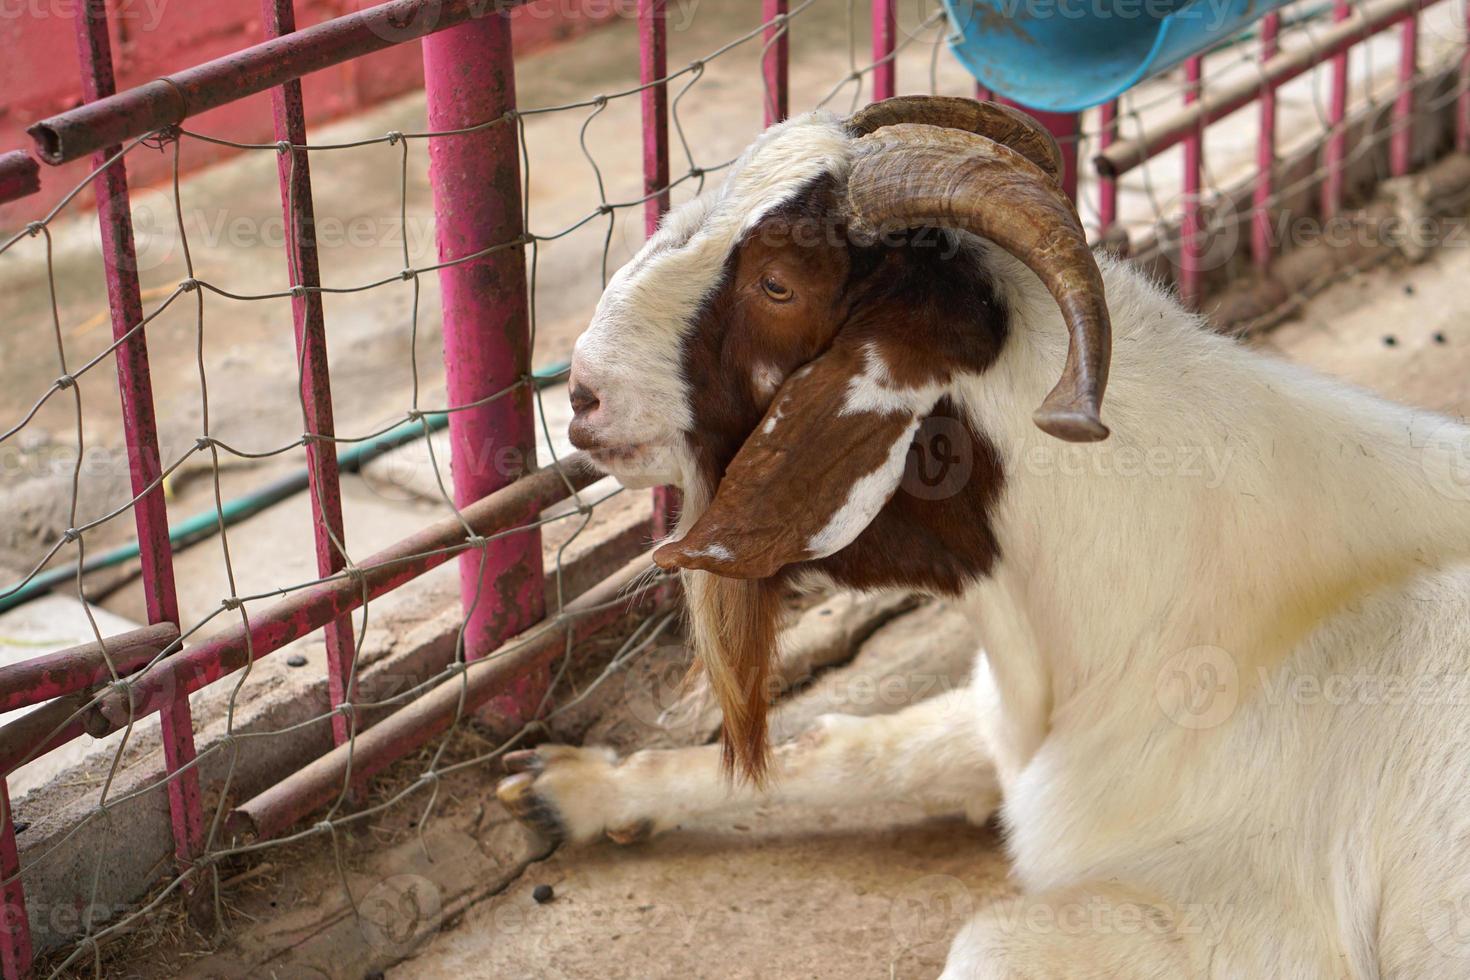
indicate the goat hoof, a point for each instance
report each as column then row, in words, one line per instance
column 519, row 796
column 633, row 833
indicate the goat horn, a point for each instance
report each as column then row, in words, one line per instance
column 1007, row 126
column 909, row 175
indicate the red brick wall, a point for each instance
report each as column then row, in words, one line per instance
column 150, row 38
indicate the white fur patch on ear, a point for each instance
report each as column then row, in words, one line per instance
column 873, row 390
column 864, row 500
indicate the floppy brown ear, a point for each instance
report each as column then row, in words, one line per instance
column 821, row 464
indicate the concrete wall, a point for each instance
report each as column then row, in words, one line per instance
column 150, row 38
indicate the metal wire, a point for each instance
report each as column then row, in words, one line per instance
column 222, row 754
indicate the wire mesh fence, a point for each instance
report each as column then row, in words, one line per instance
column 580, row 183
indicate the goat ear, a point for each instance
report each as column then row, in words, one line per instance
column 818, row 468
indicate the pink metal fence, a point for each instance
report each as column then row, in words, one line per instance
column 475, row 165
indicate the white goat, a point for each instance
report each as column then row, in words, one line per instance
column 1219, row 708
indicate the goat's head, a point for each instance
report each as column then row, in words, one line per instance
column 775, row 348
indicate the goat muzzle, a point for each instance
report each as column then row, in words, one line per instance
column 917, row 174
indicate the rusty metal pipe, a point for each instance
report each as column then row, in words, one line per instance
column 311, row 608
column 78, row 668
column 1368, row 20
column 400, row 733
column 170, row 100
column 20, row 176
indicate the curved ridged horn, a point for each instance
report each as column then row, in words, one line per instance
column 1006, row 126
column 907, row 175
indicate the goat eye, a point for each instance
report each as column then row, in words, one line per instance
column 777, row 291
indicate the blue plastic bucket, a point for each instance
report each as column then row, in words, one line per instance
column 1069, row 55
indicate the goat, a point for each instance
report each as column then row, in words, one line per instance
column 1182, row 708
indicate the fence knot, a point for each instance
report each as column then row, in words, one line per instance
column 394, row 136
column 189, row 285
column 70, row 534
column 162, row 138
column 429, row 776
column 356, row 574
column 232, row 602
column 697, row 66
column 283, row 147
column 203, row 442
column 600, row 102
column 475, row 540
column 415, row 415
column 34, row 228
column 696, row 172
column 299, row 291
column 408, row 274
column 322, row 827
column 604, row 208
column 65, row 381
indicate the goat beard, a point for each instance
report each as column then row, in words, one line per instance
column 734, row 625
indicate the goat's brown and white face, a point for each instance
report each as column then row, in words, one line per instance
column 634, row 402
column 778, row 347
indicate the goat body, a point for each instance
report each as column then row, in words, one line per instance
column 1219, row 698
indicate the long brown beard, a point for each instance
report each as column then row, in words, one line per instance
column 734, row 624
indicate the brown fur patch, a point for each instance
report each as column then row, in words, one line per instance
column 927, row 305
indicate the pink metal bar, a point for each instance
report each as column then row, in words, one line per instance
column 1222, row 100
column 777, row 61
column 653, row 47
column 1336, row 149
column 174, row 98
column 304, row 268
column 1190, row 239
column 1401, row 143
column 1067, row 128
column 20, row 175
column 415, row 723
column 983, row 94
column 1462, row 116
column 469, row 78
column 312, row 608
column 885, row 35
column 78, row 668
column 140, row 427
column 15, row 926
column 1107, row 187
column 1265, row 189
column 653, row 63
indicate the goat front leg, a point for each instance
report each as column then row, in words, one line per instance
column 1085, row 932
column 932, row 753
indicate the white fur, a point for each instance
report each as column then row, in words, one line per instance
column 866, row 498
column 1181, row 688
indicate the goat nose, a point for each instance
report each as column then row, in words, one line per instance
column 584, row 399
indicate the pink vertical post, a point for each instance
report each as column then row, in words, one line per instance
column 294, row 172
column 1067, row 128
column 885, row 32
column 469, row 78
column 983, row 94
column 1190, row 243
column 653, row 67
column 140, row 427
column 1265, row 187
column 1336, row 150
column 1462, row 116
column 1401, row 143
column 15, row 926
column 1107, row 196
column 777, row 40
